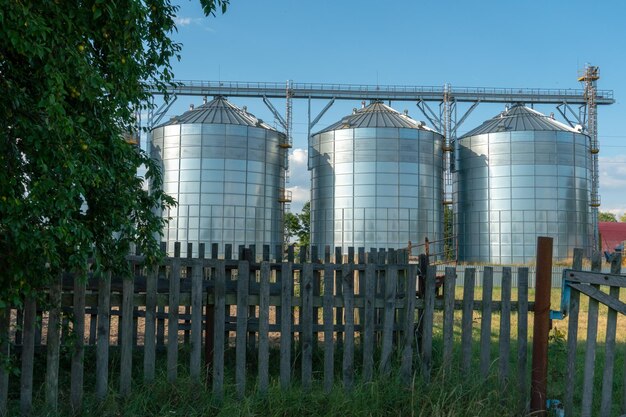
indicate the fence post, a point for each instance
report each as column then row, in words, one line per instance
column 541, row 326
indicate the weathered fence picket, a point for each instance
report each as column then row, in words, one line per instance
column 427, row 319
column 306, row 324
column 286, row 320
column 449, row 288
column 522, row 333
column 196, row 320
column 219, row 297
column 78, row 351
column 572, row 338
column 126, row 351
column 609, row 353
column 172, row 323
column 406, row 366
column 369, row 319
column 590, row 347
column 54, row 346
column 338, row 290
column 329, row 286
column 264, row 345
column 348, row 302
column 390, row 282
column 485, row 323
column 5, row 346
column 467, row 320
column 28, row 356
column 591, row 284
column 149, row 358
column 243, row 287
column 505, row 325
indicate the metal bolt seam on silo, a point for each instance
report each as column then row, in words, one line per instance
column 226, row 169
column 377, row 178
column 522, row 175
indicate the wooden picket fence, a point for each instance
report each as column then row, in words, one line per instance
column 365, row 302
column 593, row 285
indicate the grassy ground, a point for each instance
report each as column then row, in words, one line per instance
column 455, row 394
column 446, row 395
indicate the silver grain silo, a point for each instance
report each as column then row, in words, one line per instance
column 226, row 169
column 521, row 175
column 376, row 181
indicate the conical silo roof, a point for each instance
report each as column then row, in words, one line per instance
column 376, row 114
column 520, row 118
column 218, row 111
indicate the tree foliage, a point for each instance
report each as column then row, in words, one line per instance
column 622, row 218
column 606, row 217
column 299, row 226
column 73, row 74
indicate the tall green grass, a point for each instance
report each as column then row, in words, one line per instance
column 455, row 395
column 452, row 394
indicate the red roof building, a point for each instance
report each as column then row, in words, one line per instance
column 611, row 235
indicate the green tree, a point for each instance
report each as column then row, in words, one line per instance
column 73, row 75
column 606, row 217
column 299, row 226
column 622, row 218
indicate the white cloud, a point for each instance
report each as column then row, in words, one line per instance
column 196, row 21
column 299, row 175
column 300, row 195
column 299, row 179
column 613, row 172
column 613, row 184
column 182, row 21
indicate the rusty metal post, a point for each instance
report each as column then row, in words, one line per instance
column 538, row 389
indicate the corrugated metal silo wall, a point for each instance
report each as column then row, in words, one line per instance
column 512, row 187
column 227, row 180
column 376, row 188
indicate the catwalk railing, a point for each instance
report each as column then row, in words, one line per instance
column 368, row 317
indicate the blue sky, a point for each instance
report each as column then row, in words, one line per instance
column 530, row 44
